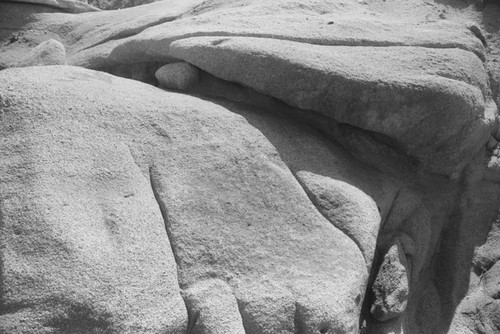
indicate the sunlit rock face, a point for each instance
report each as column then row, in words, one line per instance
column 249, row 167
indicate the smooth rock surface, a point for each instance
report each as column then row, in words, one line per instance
column 339, row 59
column 177, row 76
column 114, row 171
column 398, row 101
column 394, row 91
column 347, row 208
column 50, row 52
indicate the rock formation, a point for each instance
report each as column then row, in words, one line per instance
column 177, row 76
column 249, row 167
column 50, row 52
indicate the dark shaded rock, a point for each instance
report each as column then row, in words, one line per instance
column 391, row 287
column 118, row 4
column 177, row 76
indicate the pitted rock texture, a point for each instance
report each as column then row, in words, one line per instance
column 391, row 286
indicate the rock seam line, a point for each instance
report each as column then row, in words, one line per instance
column 315, row 204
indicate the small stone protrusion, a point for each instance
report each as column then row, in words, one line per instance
column 50, row 52
column 391, row 287
column 177, row 76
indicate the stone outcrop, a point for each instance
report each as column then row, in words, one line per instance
column 50, row 52
column 99, row 186
column 319, row 167
column 338, row 70
column 71, row 6
column 391, row 288
column 177, row 76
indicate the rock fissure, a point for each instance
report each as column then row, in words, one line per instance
column 192, row 318
column 125, row 34
column 297, row 321
column 321, row 210
column 155, row 187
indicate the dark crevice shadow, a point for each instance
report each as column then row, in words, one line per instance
column 131, row 32
column 490, row 22
column 462, row 4
column 453, row 260
column 244, row 319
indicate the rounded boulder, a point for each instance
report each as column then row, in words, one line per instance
column 177, row 76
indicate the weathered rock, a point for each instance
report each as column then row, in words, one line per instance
column 177, row 76
column 401, row 85
column 213, row 308
column 491, row 281
column 84, row 247
column 347, row 208
column 50, row 52
column 101, row 177
column 477, row 311
column 368, row 87
column 72, row 6
column 118, row 4
column 488, row 254
column 391, row 288
column 490, row 316
column 477, row 314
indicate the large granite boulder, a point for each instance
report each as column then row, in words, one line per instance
column 318, row 136
column 111, row 207
column 409, row 84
